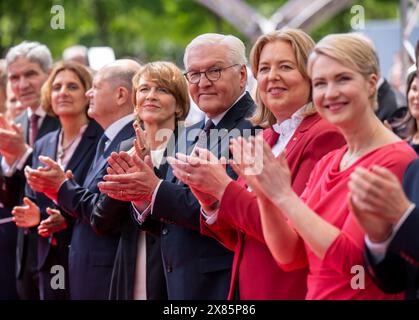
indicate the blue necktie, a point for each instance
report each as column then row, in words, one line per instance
column 100, row 150
column 203, row 136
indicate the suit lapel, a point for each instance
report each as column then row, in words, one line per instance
column 229, row 121
column 125, row 133
column 23, row 121
column 48, row 124
column 189, row 141
column 306, row 124
column 51, row 150
column 87, row 142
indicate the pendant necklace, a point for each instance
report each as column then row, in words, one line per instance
column 62, row 150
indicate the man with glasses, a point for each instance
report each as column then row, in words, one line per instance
column 197, row 266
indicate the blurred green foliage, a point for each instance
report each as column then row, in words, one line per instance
column 146, row 29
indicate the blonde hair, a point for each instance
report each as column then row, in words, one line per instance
column 301, row 44
column 352, row 51
column 79, row 70
column 169, row 76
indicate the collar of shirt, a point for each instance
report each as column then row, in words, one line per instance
column 157, row 156
column 70, row 148
column 216, row 120
column 112, row 131
column 40, row 112
column 287, row 127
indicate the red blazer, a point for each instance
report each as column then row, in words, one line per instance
column 238, row 226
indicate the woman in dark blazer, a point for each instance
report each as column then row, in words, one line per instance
column 161, row 100
column 72, row 147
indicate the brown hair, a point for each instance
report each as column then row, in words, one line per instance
column 301, row 44
column 79, row 70
column 169, row 76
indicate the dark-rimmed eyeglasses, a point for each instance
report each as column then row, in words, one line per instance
column 212, row 74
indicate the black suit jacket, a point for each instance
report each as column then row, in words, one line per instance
column 91, row 256
column 113, row 216
column 196, row 266
column 387, row 102
column 8, row 234
column 399, row 271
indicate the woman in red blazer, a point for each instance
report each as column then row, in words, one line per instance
column 230, row 210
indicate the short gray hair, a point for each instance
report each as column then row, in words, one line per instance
column 77, row 53
column 236, row 49
column 34, row 52
column 120, row 73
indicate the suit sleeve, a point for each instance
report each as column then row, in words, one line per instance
column 13, row 189
column 77, row 201
column 108, row 214
column 176, row 204
column 390, row 275
column 406, row 241
column 224, row 234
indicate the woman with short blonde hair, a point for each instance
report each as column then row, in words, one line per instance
column 316, row 229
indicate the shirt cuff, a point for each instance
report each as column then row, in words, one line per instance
column 379, row 249
column 141, row 214
column 8, row 171
column 210, row 217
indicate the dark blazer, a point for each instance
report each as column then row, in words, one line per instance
column 387, row 102
column 91, row 256
column 113, row 216
column 54, row 250
column 12, row 195
column 399, row 271
column 196, row 266
column 8, row 234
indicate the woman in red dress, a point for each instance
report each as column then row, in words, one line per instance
column 316, row 229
